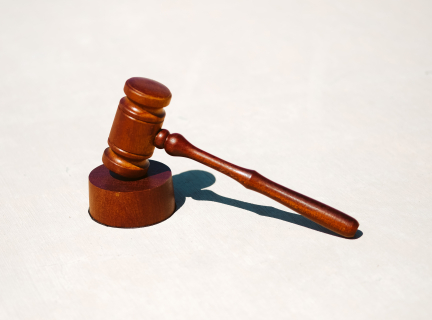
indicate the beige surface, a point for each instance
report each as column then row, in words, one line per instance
column 330, row 98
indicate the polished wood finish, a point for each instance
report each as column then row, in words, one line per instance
column 139, row 117
column 135, row 133
column 326, row 216
column 117, row 202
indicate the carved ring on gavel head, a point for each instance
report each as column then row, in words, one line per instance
column 131, row 191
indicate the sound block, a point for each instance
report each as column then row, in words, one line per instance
column 118, row 202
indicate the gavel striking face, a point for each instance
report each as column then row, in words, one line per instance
column 137, row 130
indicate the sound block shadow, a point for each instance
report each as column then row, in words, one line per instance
column 190, row 184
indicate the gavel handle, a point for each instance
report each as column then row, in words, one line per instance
column 176, row 145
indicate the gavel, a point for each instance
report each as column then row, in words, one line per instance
column 131, row 191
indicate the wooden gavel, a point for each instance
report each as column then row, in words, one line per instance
column 137, row 130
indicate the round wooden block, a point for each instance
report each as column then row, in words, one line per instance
column 117, row 202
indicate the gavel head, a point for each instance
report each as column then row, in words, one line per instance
column 139, row 117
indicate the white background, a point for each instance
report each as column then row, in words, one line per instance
column 330, row 98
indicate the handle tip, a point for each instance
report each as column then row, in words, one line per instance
column 351, row 229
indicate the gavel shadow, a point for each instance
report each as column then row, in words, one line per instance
column 191, row 183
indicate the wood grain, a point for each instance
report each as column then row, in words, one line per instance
column 176, row 145
column 118, row 202
column 135, row 133
column 139, row 117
